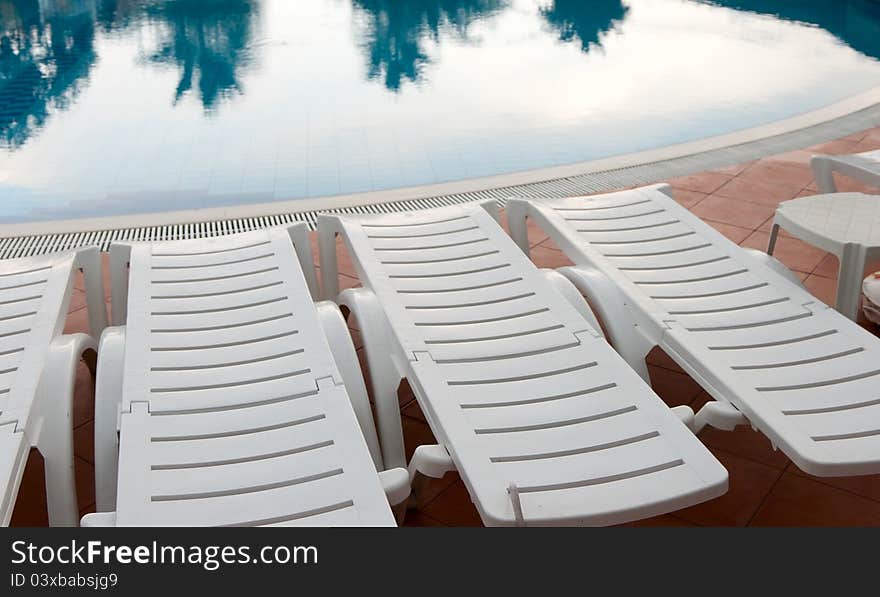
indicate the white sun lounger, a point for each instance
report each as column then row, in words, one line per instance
column 37, row 372
column 769, row 352
column 239, row 401
column 543, row 420
column 864, row 167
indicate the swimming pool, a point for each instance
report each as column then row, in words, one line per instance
column 134, row 106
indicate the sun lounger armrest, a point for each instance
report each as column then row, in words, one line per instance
column 120, row 253
column 328, row 228
column 89, row 261
column 606, row 300
column 343, row 351
column 384, row 376
column 518, row 210
column 108, row 398
column 299, row 236
column 54, row 437
column 564, row 287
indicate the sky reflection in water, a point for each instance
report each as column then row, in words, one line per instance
column 125, row 106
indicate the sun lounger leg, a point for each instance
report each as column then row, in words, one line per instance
column 384, row 376
column 428, row 461
column 432, row 461
column 685, row 414
column 771, row 243
column 516, row 502
column 55, row 437
column 299, row 236
column 719, row 415
column 604, row 298
column 823, row 170
column 108, row 393
column 99, row 519
column 849, row 281
column 395, row 482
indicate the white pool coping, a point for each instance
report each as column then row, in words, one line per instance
column 828, row 113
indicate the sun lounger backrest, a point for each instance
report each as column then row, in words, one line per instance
column 34, row 296
column 234, row 319
column 439, row 280
column 670, row 262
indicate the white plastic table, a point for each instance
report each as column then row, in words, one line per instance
column 845, row 224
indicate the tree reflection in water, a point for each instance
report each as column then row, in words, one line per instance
column 208, row 40
column 47, row 51
column 45, row 60
column 395, row 33
column 584, row 21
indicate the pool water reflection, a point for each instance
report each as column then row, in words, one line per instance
column 127, row 106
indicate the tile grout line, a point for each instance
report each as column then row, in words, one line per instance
column 84, row 423
column 820, row 481
column 766, row 496
column 434, row 499
column 751, row 459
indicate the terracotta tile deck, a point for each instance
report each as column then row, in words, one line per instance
column 765, row 487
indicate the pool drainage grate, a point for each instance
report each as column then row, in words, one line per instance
column 582, row 184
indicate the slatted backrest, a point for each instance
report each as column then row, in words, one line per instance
column 230, row 316
column 34, row 297
column 521, row 390
column 673, row 265
column 799, row 370
column 234, row 412
column 441, row 274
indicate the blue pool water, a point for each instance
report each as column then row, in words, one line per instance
column 125, row 106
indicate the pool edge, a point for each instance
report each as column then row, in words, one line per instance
column 848, row 116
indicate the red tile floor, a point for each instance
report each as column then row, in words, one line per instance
column 765, row 488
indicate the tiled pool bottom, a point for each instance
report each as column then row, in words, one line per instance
column 765, row 488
